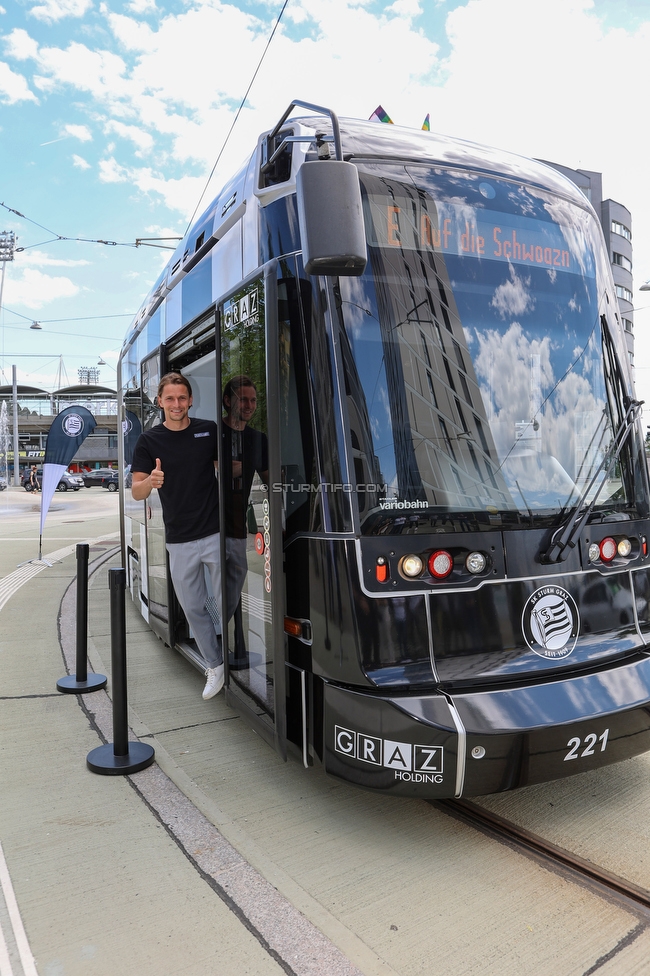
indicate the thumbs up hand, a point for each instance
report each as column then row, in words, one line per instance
column 157, row 475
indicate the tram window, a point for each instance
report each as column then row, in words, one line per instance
column 458, row 370
column 151, row 414
column 333, row 506
column 279, row 231
column 149, row 337
column 197, row 289
column 296, row 441
column 130, row 367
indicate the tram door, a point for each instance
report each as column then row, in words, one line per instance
column 249, row 520
column 156, row 554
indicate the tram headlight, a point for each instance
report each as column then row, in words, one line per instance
column 594, row 552
column 411, row 566
column 624, row 547
column 608, row 549
column 440, row 563
column 475, row 563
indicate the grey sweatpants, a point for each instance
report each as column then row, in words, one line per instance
column 187, row 564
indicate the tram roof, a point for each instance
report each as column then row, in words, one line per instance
column 362, row 139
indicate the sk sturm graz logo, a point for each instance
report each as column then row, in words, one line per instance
column 73, row 425
column 551, row 622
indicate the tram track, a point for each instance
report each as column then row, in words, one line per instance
column 556, row 858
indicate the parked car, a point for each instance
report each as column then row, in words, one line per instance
column 95, row 477
column 111, row 481
column 3, row 484
column 70, row 482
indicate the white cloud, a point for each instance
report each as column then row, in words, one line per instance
column 98, row 73
column 142, row 6
column 20, row 45
column 80, row 162
column 40, row 259
column 405, row 8
column 53, row 10
column 134, row 133
column 33, row 289
column 110, row 171
column 81, row 132
column 13, row 87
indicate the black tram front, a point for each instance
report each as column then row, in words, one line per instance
column 447, row 589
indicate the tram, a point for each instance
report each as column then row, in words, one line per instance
column 448, row 581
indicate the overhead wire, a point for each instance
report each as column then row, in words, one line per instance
column 237, row 114
column 139, row 241
column 77, row 318
column 143, row 241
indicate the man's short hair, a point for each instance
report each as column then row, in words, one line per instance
column 176, row 379
column 235, row 383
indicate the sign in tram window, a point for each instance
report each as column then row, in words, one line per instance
column 457, row 228
column 242, row 309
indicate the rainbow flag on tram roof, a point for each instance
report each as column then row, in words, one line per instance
column 426, row 125
column 380, row 115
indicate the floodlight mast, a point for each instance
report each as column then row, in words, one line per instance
column 7, row 248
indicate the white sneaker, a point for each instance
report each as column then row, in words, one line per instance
column 214, row 682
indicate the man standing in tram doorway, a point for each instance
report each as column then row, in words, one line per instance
column 179, row 458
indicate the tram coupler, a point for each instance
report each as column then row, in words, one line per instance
column 122, row 757
column 81, row 682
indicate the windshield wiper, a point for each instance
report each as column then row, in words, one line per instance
column 567, row 535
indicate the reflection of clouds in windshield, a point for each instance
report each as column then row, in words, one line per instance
column 541, row 443
column 512, row 298
column 523, row 202
column 356, row 307
column 576, row 226
column 503, row 366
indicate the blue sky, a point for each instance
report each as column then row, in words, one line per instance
column 113, row 113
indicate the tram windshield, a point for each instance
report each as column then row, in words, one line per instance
column 480, row 385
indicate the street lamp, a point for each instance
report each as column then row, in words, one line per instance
column 7, row 248
column 645, row 286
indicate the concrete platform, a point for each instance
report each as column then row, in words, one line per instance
column 220, row 857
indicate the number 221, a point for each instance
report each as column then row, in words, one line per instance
column 590, row 741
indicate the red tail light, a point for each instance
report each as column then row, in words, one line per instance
column 608, row 549
column 440, row 564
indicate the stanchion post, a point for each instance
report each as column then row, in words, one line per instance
column 82, row 611
column 116, row 587
column 122, row 757
column 80, row 683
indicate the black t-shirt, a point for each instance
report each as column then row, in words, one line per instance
column 189, row 495
column 251, row 448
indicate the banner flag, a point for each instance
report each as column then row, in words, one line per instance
column 380, row 115
column 131, row 430
column 426, row 125
column 69, row 430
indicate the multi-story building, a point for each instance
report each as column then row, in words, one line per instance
column 616, row 221
column 37, row 409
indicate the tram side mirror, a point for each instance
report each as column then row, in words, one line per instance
column 330, row 216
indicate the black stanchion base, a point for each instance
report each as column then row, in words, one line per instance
column 103, row 760
column 70, row 686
